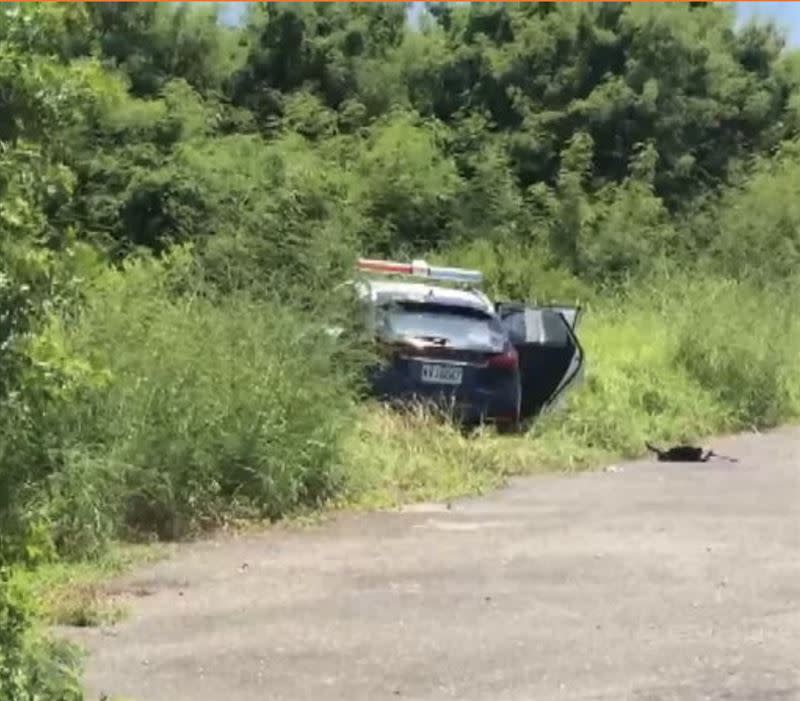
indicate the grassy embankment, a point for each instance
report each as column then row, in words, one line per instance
column 208, row 416
column 675, row 362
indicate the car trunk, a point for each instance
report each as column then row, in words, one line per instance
column 465, row 381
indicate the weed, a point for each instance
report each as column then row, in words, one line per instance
column 399, row 457
column 76, row 593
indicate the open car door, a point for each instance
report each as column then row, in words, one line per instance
column 550, row 355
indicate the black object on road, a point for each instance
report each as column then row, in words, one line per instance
column 686, row 453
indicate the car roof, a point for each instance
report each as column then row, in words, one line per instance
column 382, row 291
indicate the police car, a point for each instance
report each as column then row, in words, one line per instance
column 449, row 344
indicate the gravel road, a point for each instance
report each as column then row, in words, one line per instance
column 648, row 582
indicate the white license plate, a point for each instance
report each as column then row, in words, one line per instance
column 442, row 374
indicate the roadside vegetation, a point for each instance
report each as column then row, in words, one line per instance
column 180, row 201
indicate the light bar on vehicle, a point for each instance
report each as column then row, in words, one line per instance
column 419, row 268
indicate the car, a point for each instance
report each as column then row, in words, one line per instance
column 443, row 341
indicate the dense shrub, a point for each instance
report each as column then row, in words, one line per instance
column 32, row 667
column 754, row 229
column 741, row 343
column 175, row 410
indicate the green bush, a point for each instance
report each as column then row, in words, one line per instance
column 161, row 410
column 163, row 396
column 32, row 668
column 742, row 344
column 519, row 272
column 754, row 229
column 212, row 408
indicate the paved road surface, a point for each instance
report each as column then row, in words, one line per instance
column 656, row 582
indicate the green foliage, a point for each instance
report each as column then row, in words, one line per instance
column 422, row 457
column 629, row 232
column 515, row 271
column 281, row 211
column 190, row 409
column 153, row 44
column 180, row 203
column 673, row 360
column 317, row 47
column 741, row 344
column 63, row 32
column 408, row 186
column 755, row 228
column 32, row 667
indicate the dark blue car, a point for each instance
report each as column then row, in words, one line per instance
column 499, row 363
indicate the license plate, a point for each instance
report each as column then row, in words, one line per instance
column 442, row 374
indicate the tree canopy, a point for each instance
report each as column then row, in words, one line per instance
column 584, row 130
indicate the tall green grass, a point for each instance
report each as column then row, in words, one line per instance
column 31, row 665
column 678, row 359
column 741, row 343
column 394, row 458
column 675, row 359
column 169, row 412
column 162, row 410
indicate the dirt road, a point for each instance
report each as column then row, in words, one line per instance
column 655, row 582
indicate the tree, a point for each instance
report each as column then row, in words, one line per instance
column 312, row 47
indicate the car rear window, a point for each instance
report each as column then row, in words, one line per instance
column 459, row 327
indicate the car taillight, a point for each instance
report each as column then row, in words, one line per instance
column 504, row 361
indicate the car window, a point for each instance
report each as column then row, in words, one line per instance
column 544, row 327
column 460, row 327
